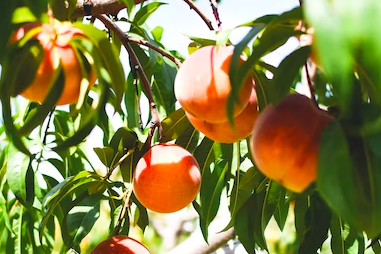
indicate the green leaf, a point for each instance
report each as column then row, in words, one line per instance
column 251, row 179
column 132, row 104
column 274, row 35
column 130, row 4
column 343, row 46
column 88, row 123
column 105, row 57
column 201, row 41
column 300, row 210
column 105, row 155
column 59, row 9
column 165, row 99
column 6, row 27
column 10, row 128
column 157, row 33
column 243, row 225
column 263, row 87
column 210, row 195
column 281, row 213
column 353, row 168
column 335, row 173
column 189, row 139
column 123, row 138
column 174, row 125
column 376, row 246
column 145, row 12
column 163, row 86
column 247, row 223
column 141, row 215
column 20, row 176
column 204, row 154
column 62, row 190
column 223, row 37
column 38, row 116
column 238, row 198
column 337, row 239
column 286, row 72
column 24, row 58
column 317, row 221
column 5, row 212
column 17, row 228
column 37, row 7
column 213, row 182
column 82, row 217
column 274, row 195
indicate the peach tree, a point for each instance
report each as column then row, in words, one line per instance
column 51, row 191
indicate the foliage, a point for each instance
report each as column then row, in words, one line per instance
column 343, row 206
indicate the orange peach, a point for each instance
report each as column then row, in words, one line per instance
column 224, row 132
column 167, row 178
column 285, row 141
column 202, row 85
column 55, row 39
column 120, row 244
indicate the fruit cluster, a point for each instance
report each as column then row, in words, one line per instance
column 285, row 137
column 202, row 87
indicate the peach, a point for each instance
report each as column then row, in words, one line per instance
column 120, row 244
column 285, row 141
column 167, row 178
column 202, row 85
column 55, row 39
column 224, row 132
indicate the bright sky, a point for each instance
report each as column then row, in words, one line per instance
column 178, row 19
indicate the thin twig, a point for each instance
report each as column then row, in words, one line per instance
column 155, row 121
column 120, row 161
column 214, row 5
column 310, row 85
column 199, row 12
column 47, row 126
column 157, row 49
column 215, row 241
column 123, row 212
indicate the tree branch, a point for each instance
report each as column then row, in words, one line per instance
column 155, row 122
column 157, row 49
column 199, row 12
column 98, row 7
column 112, row 7
column 214, row 5
column 196, row 244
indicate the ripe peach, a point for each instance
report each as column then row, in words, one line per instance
column 120, row 245
column 54, row 39
column 285, row 141
column 167, row 178
column 202, row 85
column 224, row 132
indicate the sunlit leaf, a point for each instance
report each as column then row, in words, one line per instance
column 20, row 176
column 82, row 217
column 145, row 12
column 174, row 125
column 105, row 155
